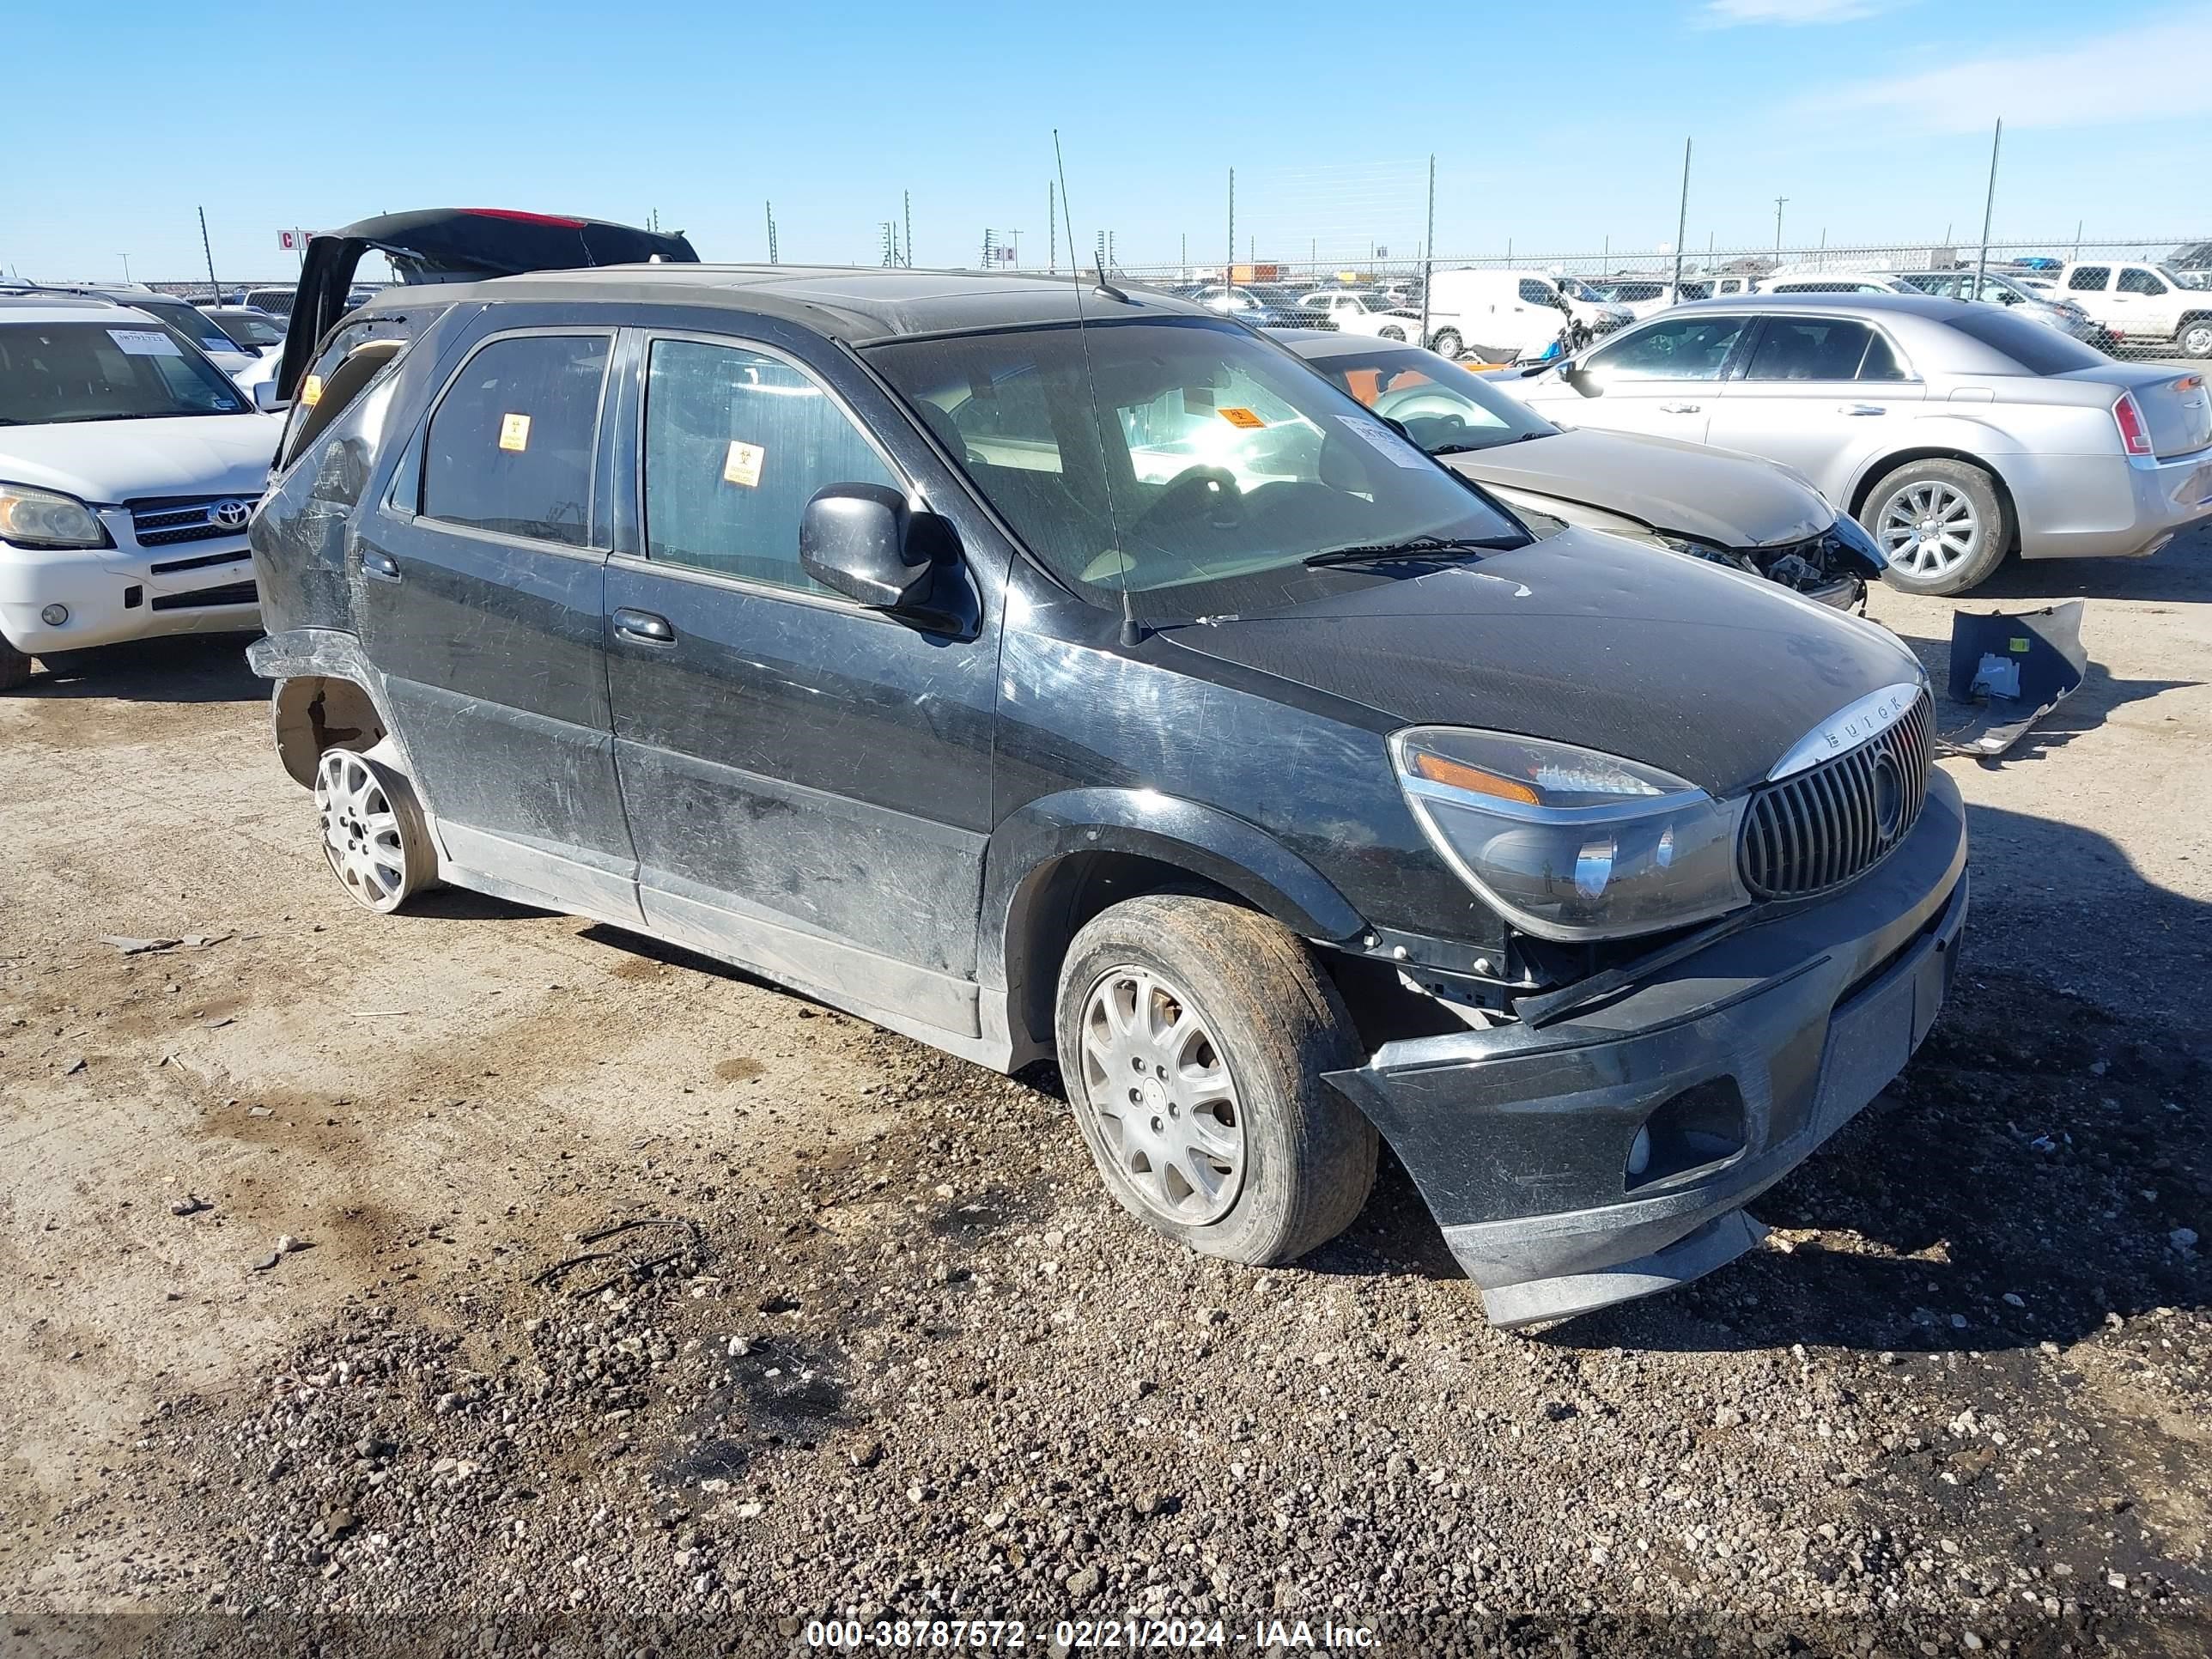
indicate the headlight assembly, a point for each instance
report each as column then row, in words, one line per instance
column 1566, row 843
column 47, row 517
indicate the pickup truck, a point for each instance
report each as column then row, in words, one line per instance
column 2145, row 303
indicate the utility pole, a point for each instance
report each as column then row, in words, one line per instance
column 906, row 200
column 126, row 268
column 889, row 240
column 1989, row 207
column 1052, row 228
column 1429, row 248
column 1016, row 235
column 1778, row 201
column 2077, row 240
column 770, row 208
column 1682, row 220
column 214, row 287
column 1185, row 260
column 1232, row 226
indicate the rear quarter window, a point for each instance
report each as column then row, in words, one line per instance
column 2037, row 348
column 509, row 448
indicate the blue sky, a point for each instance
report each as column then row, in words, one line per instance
column 1560, row 127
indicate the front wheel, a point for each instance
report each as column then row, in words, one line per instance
column 1194, row 1036
column 2195, row 339
column 1445, row 343
column 1943, row 525
column 15, row 665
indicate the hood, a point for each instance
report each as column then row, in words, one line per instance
column 1582, row 638
column 108, row 462
column 1713, row 494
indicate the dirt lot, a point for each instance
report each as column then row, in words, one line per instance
column 881, row 1348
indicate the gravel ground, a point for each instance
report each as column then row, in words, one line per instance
column 320, row 1342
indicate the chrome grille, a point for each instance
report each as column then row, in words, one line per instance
column 165, row 522
column 1818, row 828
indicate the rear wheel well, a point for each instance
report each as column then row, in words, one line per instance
column 1889, row 463
column 317, row 711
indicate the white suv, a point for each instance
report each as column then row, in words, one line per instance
column 2142, row 303
column 129, row 466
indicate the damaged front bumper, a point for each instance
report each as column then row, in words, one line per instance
column 1608, row 1156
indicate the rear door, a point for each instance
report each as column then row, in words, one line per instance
column 481, row 585
column 1663, row 378
column 809, row 782
column 1817, row 393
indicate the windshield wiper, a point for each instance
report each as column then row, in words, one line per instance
column 1417, row 547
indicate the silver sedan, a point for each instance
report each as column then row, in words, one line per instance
column 1956, row 432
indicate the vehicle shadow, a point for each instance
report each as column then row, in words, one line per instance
column 183, row 668
column 2027, row 1176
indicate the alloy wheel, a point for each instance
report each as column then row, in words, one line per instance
column 362, row 836
column 2197, row 340
column 1930, row 528
column 1159, row 1091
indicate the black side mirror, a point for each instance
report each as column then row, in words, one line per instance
column 859, row 540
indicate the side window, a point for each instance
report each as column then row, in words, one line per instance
column 736, row 444
column 1535, row 293
column 2089, row 279
column 1808, row 348
column 2135, row 280
column 509, row 448
column 1880, row 362
column 1680, row 348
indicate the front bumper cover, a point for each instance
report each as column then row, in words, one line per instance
column 1519, row 1138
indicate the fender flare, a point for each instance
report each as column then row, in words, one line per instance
column 1036, row 838
column 320, row 654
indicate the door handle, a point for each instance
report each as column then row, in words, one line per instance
column 644, row 627
column 1679, row 408
column 379, row 565
column 1861, row 409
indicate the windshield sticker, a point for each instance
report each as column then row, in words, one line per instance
column 742, row 465
column 1243, row 419
column 312, row 392
column 515, row 432
column 1395, row 448
column 144, row 342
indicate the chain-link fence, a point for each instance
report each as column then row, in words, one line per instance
column 2147, row 299
column 2144, row 299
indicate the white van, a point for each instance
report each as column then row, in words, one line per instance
column 1503, row 316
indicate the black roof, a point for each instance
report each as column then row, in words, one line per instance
column 854, row 303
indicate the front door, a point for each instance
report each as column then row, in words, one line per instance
column 482, row 598
column 809, row 782
column 1663, row 379
column 1820, row 394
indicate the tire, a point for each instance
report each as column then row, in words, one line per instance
column 1445, row 343
column 375, row 837
column 1972, row 525
column 68, row 665
column 15, row 665
column 2194, row 337
column 1290, row 1161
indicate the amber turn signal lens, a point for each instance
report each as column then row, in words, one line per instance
column 1437, row 769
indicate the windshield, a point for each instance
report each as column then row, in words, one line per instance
column 93, row 371
column 249, row 332
column 2037, row 350
column 1575, row 288
column 1445, row 409
column 1210, row 467
column 190, row 321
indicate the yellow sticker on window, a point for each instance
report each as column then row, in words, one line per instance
column 1243, row 417
column 515, row 432
column 312, row 392
column 742, row 465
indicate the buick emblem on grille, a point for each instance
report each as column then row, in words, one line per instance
column 231, row 515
